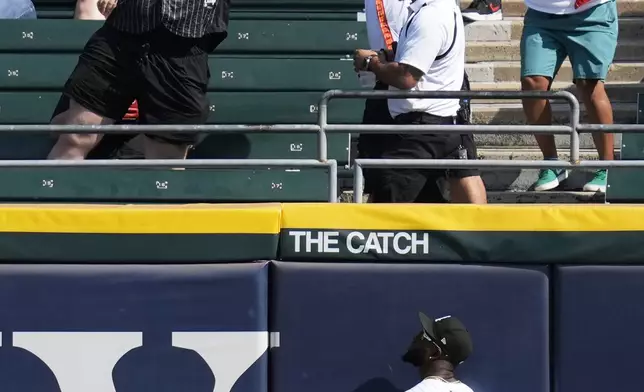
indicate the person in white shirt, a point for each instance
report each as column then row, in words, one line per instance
column 436, row 351
column 586, row 32
column 430, row 56
column 384, row 19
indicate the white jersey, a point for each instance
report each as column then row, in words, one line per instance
column 433, row 42
column 384, row 20
column 438, row 385
column 562, row 7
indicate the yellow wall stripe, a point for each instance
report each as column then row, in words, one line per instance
column 268, row 218
column 141, row 219
column 454, row 217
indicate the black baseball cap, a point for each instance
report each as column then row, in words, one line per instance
column 450, row 335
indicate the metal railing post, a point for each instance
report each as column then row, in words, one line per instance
column 323, row 108
column 574, row 124
column 358, row 182
column 333, row 180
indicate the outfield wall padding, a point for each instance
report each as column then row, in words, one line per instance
column 599, row 323
column 320, row 232
column 462, row 233
column 551, row 294
column 344, row 326
column 133, row 328
column 138, row 233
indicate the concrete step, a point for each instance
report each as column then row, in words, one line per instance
column 518, row 180
column 516, row 143
column 512, row 113
column 511, row 29
column 476, row 51
column 521, row 180
column 617, row 92
column 513, row 8
column 551, row 197
column 515, row 153
column 510, row 71
column 528, row 197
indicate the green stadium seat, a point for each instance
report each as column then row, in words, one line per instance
column 351, row 14
column 246, row 3
column 271, row 146
column 226, row 108
column 26, row 71
column 318, row 3
column 164, row 185
column 278, row 60
column 246, row 36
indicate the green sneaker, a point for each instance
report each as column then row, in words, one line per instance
column 550, row 179
column 598, row 183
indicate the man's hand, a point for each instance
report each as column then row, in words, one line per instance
column 359, row 57
column 106, row 7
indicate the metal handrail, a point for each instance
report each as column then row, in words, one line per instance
column 322, row 128
column 523, row 129
column 136, row 128
column 611, row 128
column 331, row 164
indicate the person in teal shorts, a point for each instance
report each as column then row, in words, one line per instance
column 586, row 32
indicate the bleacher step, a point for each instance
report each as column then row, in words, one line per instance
column 530, row 197
column 509, row 29
column 520, row 141
column 476, row 51
column 552, row 197
column 512, row 113
column 514, row 8
column 520, row 180
column 510, row 71
column 618, row 92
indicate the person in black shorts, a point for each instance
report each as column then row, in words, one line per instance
column 152, row 51
column 430, row 56
column 374, row 146
column 384, row 18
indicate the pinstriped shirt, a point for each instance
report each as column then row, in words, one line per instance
column 185, row 18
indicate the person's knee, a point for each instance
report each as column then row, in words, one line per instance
column 591, row 89
column 78, row 115
column 83, row 142
column 535, row 83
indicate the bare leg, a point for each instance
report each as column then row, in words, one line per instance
column 75, row 146
column 87, row 10
column 600, row 111
column 539, row 112
column 468, row 190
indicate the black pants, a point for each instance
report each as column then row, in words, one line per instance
column 417, row 185
column 376, row 112
column 168, row 76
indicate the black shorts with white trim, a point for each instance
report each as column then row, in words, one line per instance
column 413, row 185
